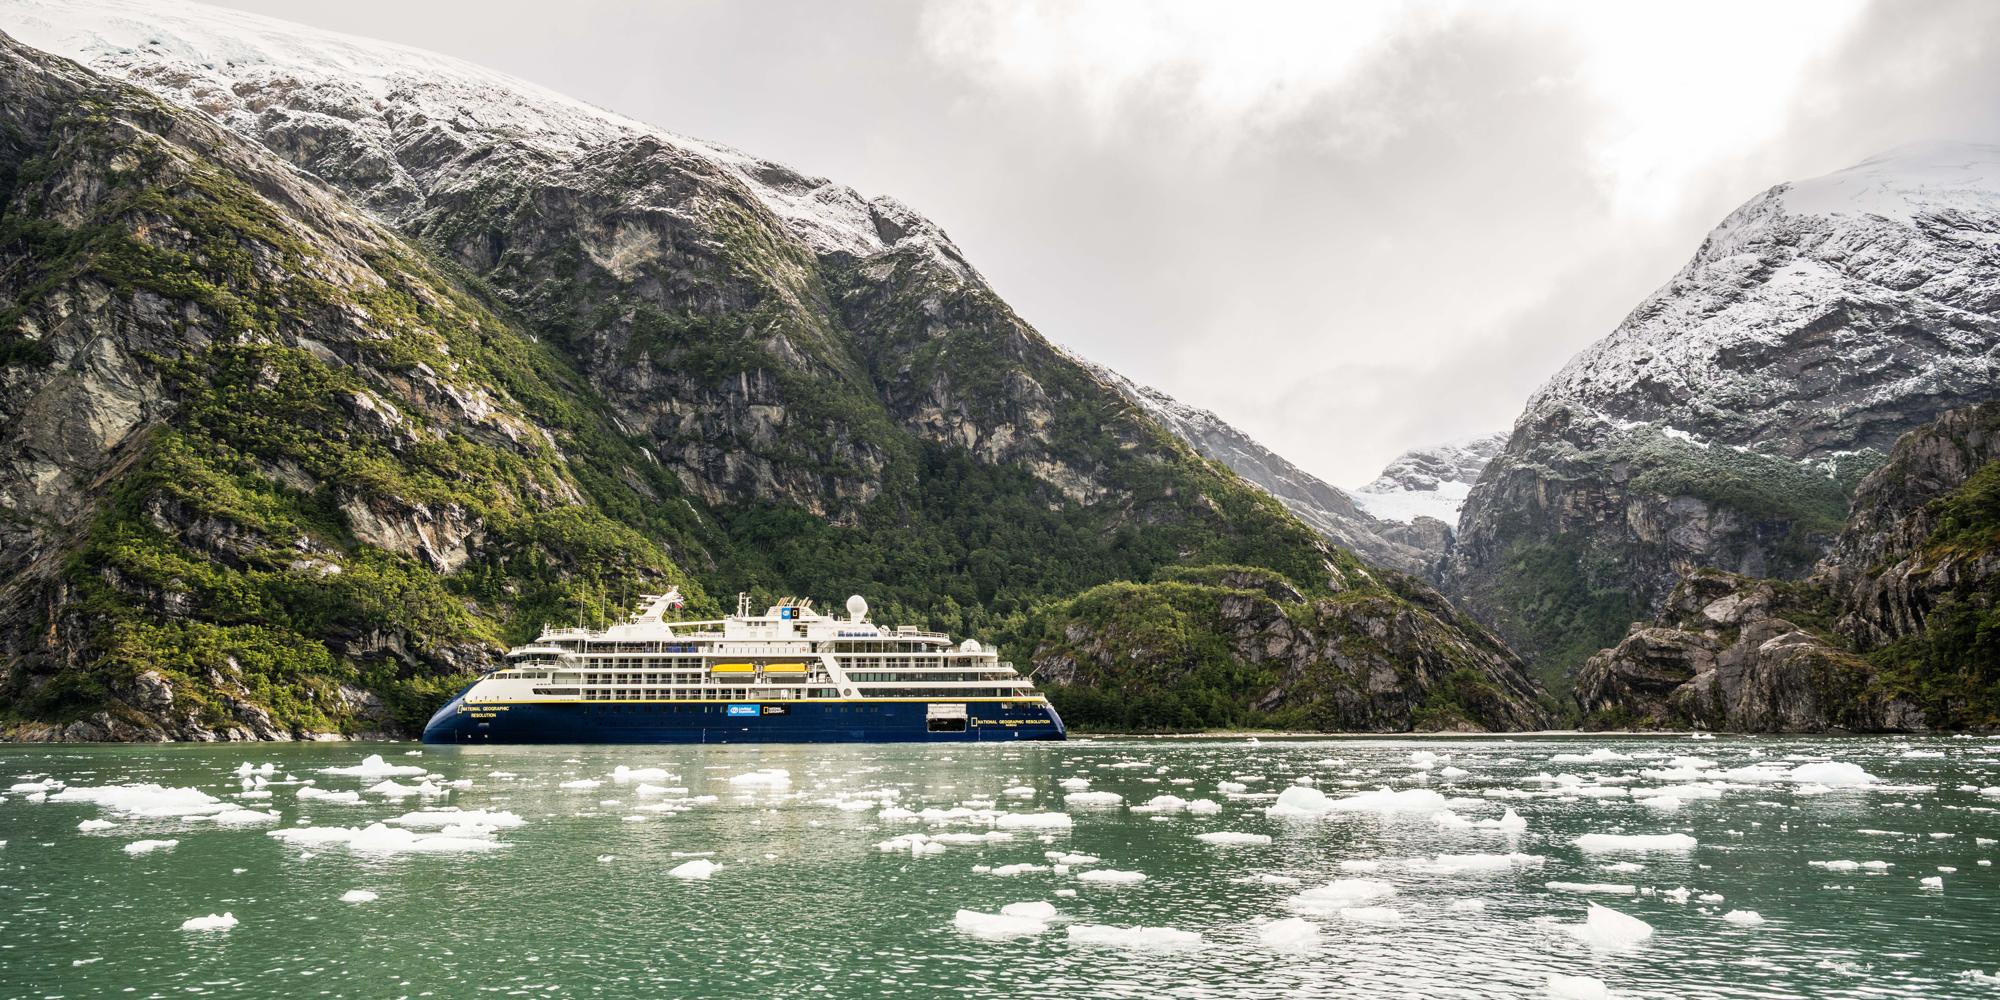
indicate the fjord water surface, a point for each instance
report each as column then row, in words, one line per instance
column 578, row 899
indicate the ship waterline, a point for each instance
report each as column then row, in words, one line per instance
column 789, row 675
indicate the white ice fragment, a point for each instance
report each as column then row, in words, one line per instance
column 1932, row 882
column 1371, row 915
column 94, row 825
column 1609, row 929
column 1744, row 917
column 358, row 896
column 1036, row 910
column 580, row 784
column 1561, row 987
column 149, row 846
column 698, row 868
column 1092, row 800
column 1032, row 821
column 1602, row 887
column 770, row 777
column 1111, row 876
column 997, row 925
column 1606, row 842
column 373, row 766
column 212, row 922
column 1288, row 934
column 1144, row 938
column 1341, row 893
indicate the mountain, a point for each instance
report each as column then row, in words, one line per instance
column 404, row 357
column 1897, row 629
column 1728, row 419
column 1429, row 482
column 1326, row 508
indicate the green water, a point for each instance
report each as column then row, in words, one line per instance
column 577, row 900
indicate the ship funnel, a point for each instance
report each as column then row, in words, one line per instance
column 857, row 608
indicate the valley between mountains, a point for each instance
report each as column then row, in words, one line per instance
column 330, row 368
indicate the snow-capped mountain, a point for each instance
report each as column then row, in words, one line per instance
column 1725, row 422
column 1330, row 510
column 1429, row 482
column 354, row 110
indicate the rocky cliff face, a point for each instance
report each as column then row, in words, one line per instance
column 1725, row 423
column 1402, row 545
column 264, row 471
column 1893, row 631
column 330, row 464
column 1230, row 647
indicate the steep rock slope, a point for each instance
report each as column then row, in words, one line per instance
column 1899, row 627
column 1227, row 647
column 1725, row 423
column 264, row 471
column 1329, row 509
column 824, row 396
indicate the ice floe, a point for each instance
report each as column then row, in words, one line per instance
column 1340, row 894
column 212, row 922
column 1290, row 934
column 1609, row 929
column 1143, row 938
column 380, row 838
column 1111, row 876
column 149, row 846
column 1562, row 987
column 770, row 777
column 699, row 868
column 997, row 925
column 1300, row 801
column 1744, row 917
column 1609, row 842
column 1092, row 800
column 373, row 766
column 358, row 896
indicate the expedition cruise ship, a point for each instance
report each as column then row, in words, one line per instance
column 790, row 675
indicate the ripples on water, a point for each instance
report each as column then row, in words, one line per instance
column 577, row 900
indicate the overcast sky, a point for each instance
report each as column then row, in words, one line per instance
column 1347, row 228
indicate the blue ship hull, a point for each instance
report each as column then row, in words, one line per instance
column 859, row 721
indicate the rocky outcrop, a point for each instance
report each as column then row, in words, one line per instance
column 1243, row 648
column 1722, row 656
column 1726, row 421
column 1893, row 631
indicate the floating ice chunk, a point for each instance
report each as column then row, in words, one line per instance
column 1834, row 774
column 373, row 766
column 698, row 868
column 1341, row 893
column 1204, row 807
column 1288, row 934
column 379, row 838
column 433, row 819
column 916, row 845
column 770, row 777
column 1422, row 759
column 308, row 793
column 1603, row 887
column 358, row 896
column 1679, row 895
column 1033, row 821
column 1372, row 915
column 94, row 825
column 149, row 846
column 1231, row 787
column 1561, row 987
column 1462, row 864
column 1605, row 842
column 1512, row 823
column 1228, row 838
column 1744, row 917
column 1144, row 938
column 1835, row 866
column 1452, row 772
column 997, row 925
column 145, row 800
column 32, row 787
column 1299, row 801
column 1163, row 804
column 242, row 817
column 1036, row 910
column 1597, row 756
column 1922, row 754
column 1021, row 868
column 1073, row 784
column 1066, row 858
column 1360, row 865
column 392, row 789
column 1111, row 876
column 1623, row 867
column 581, row 784
column 212, row 922
column 1092, row 800
column 1467, row 906
column 247, row 769
column 1609, row 929
column 1664, row 803
column 622, row 774
column 1932, row 882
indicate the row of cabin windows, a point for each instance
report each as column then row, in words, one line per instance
column 971, row 675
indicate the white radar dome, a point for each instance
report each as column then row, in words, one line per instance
column 857, row 607
column 969, row 646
